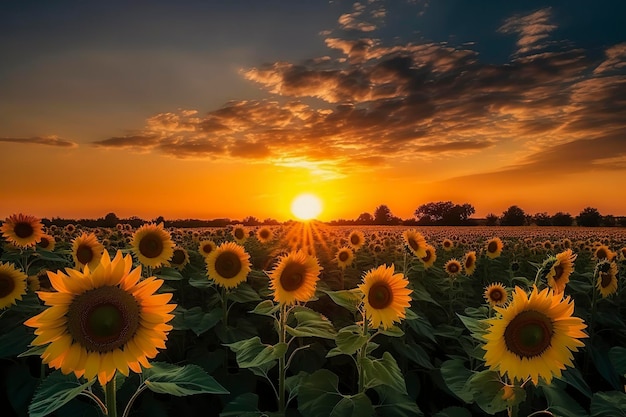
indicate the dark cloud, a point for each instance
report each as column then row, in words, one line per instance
column 42, row 140
column 532, row 30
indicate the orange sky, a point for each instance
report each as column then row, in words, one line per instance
column 344, row 108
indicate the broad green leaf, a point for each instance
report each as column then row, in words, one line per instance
column 393, row 331
column 54, row 392
column 245, row 405
column 15, row 341
column 349, row 339
column 600, row 357
column 312, row 324
column 200, row 280
column 413, row 352
column 394, row 404
column 50, row 256
column 487, row 390
column 422, row 327
column 251, row 352
column 456, row 375
column 384, row 371
column 608, row 404
column 169, row 274
column 349, row 299
column 266, row 308
column 196, row 319
column 477, row 328
column 318, row 396
column 243, row 293
column 560, row 403
column 617, row 356
column 573, row 377
column 420, row 293
column 166, row 378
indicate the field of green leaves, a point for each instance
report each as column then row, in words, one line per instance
column 310, row 320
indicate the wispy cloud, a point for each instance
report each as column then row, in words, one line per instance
column 41, row 140
column 532, row 29
column 363, row 17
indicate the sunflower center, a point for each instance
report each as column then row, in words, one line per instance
column 207, row 248
column 239, row 233
column 413, row 244
column 343, row 256
column 379, row 296
column 7, row 285
column 44, row 242
column 23, row 230
column 453, row 268
column 427, row 257
column 496, row 295
column 227, row 265
column 529, row 334
column 178, row 257
column 605, row 279
column 265, row 234
column 492, row 247
column 103, row 319
column 354, row 239
column 558, row 272
column 84, row 254
column 600, row 253
column 469, row 262
column 292, row 276
column 151, row 246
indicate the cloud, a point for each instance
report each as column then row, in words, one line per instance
column 358, row 18
column 41, row 140
column 532, row 29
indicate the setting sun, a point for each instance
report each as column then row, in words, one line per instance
column 306, row 206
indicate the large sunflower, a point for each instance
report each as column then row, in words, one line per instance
column 22, row 230
column 264, row 234
column 493, row 247
column 356, row 239
column 240, row 234
column 228, row 265
column 295, row 277
column 429, row 259
column 152, row 245
column 46, row 242
column 534, row 336
column 103, row 320
column 180, row 258
column 469, row 263
column 452, row 267
column 416, row 242
column 606, row 273
column 344, row 257
column 603, row 252
column 386, row 296
column 206, row 246
column 558, row 275
column 496, row 294
column 86, row 250
column 12, row 284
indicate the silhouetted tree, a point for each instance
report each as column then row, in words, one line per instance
column 160, row 219
column 251, row 221
column 491, row 219
column 609, row 220
column 589, row 217
column 110, row 220
column 542, row 219
column 513, row 216
column 365, row 218
column 383, row 215
column 562, row 219
column 444, row 212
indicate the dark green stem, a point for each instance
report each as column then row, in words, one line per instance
column 110, row 398
column 362, row 352
column 282, row 368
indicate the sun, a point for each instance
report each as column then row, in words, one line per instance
column 306, row 206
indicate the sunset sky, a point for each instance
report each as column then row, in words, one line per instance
column 207, row 109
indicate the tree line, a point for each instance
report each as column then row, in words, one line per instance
column 440, row 213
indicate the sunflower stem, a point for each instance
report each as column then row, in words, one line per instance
column 282, row 368
column 110, row 398
column 362, row 352
column 224, row 298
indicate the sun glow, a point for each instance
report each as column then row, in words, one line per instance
column 306, row 206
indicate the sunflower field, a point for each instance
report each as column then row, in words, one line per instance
column 305, row 319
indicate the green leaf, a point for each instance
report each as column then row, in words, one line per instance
column 384, row 371
column 477, row 328
column 312, row 324
column 266, row 308
column 349, row 339
column 245, row 405
column 422, row 327
column 252, row 353
column 54, row 392
column 600, row 357
column 608, row 404
column 456, row 375
column 487, row 390
column 413, row 352
column 15, row 341
column 420, row 293
column 196, row 319
column 573, row 377
column 169, row 274
column 454, row 412
column 393, row 331
column 560, row 403
column 394, row 404
column 165, row 378
column 349, row 299
column 243, row 293
column 200, row 280
column 617, row 356
column 318, row 396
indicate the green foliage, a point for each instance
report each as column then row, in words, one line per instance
column 54, row 392
column 165, row 378
column 383, row 371
column 253, row 353
column 311, row 324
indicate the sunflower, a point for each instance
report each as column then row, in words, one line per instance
column 264, row 234
column 607, row 278
column 386, row 296
column 533, row 337
column 46, row 242
column 12, row 284
column 452, row 267
column 86, row 250
column 603, row 252
column 239, row 234
column 205, row 247
column 228, row 265
column 622, row 254
column 22, row 230
column 496, row 294
column 152, row 245
column 447, row 245
column 558, row 274
column 429, row 259
column 295, row 277
column 180, row 258
column 494, row 247
column 103, row 320
column 416, row 242
column 344, row 257
column 356, row 239
column 469, row 263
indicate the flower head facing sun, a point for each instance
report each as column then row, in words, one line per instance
column 228, row 265
column 103, row 320
column 606, row 281
column 344, row 257
column 46, row 242
column 86, row 250
column 533, row 337
column 205, row 247
column 430, row 257
column 22, row 230
column 385, row 296
column 416, row 242
column 13, row 284
column 240, row 234
column 264, row 234
column 493, row 247
column 294, row 279
column 469, row 263
column 152, row 245
column 180, row 258
column 452, row 267
column 562, row 266
column 496, row 294
column 356, row 239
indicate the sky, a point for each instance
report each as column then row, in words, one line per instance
column 212, row 109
